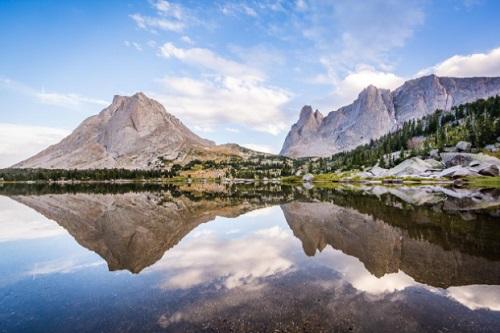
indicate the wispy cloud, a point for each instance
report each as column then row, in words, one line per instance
column 135, row 45
column 209, row 60
column 65, row 100
column 18, row 142
column 169, row 17
column 153, row 23
column 238, row 8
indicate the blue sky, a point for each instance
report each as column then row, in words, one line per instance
column 233, row 71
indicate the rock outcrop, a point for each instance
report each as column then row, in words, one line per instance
column 133, row 133
column 377, row 111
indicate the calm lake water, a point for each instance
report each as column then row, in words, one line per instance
column 271, row 258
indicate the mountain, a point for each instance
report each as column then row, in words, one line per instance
column 378, row 111
column 134, row 132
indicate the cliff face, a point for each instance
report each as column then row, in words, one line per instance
column 377, row 111
column 132, row 133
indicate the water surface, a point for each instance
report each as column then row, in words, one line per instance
column 259, row 259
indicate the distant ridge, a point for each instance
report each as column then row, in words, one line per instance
column 377, row 111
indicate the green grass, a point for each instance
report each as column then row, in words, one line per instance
column 489, row 182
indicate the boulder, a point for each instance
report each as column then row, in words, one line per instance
column 464, row 172
column 449, row 172
column 450, row 149
column 474, row 163
column 411, row 167
column 463, row 159
column 435, row 164
column 434, row 153
column 377, row 171
column 464, row 146
column 489, row 170
column 491, row 148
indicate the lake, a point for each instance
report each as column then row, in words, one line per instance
column 267, row 258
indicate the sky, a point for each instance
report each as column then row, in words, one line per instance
column 232, row 71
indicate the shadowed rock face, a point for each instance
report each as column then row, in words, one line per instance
column 384, row 247
column 133, row 230
column 377, row 111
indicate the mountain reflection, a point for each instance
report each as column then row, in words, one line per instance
column 438, row 236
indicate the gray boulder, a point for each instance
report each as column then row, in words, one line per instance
column 487, row 170
column 411, row 167
column 434, row 164
column 377, row 171
column 491, row 148
column 464, row 146
column 463, row 159
column 457, row 171
column 434, row 153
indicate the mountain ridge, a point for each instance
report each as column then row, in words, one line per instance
column 133, row 132
column 377, row 111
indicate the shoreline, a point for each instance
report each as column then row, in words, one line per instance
column 321, row 179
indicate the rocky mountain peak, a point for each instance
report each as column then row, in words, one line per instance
column 307, row 115
column 132, row 132
column 377, row 111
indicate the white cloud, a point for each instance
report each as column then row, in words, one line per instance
column 187, row 40
column 60, row 266
column 261, row 148
column 232, row 130
column 348, row 88
column 226, row 99
column 169, row 9
column 478, row 64
column 198, row 261
column 169, row 17
column 65, row 100
column 153, row 23
column 207, row 59
column 18, row 142
column 232, row 9
column 135, row 45
column 233, row 92
column 18, row 222
column 301, row 5
column 477, row 296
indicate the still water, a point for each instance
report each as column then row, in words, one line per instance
column 271, row 258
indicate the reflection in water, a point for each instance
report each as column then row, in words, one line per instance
column 17, row 223
column 380, row 259
column 199, row 261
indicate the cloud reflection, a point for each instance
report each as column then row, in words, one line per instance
column 231, row 263
column 17, row 222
